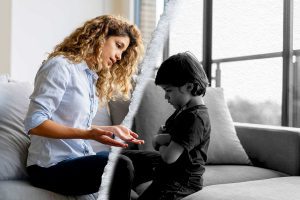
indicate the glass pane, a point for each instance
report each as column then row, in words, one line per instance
column 246, row 27
column 296, row 26
column 186, row 28
column 296, row 74
column 253, row 90
column 150, row 12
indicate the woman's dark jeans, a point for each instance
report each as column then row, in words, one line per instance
column 82, row 175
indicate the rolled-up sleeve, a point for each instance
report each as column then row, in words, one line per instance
column 50, row 85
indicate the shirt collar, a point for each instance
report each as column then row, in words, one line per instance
column 84, row 67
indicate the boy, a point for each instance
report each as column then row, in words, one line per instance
column 184, row 140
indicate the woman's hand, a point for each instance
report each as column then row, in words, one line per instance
column 105, row 134
column 105, row 137
column 126, row 134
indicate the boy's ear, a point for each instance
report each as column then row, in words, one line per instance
column 190, row 86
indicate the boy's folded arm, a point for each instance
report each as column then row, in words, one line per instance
column 161, row 139
column 171, row 152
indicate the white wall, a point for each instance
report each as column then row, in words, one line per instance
column 38, row 25
column 34, row 27
column 121, row 7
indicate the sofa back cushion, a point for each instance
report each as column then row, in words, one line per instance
column 14, row 101
column 224, row 148
column 102, row 118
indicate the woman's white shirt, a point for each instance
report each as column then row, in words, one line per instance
column 64, row 92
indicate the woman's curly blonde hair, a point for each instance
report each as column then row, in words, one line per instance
column 86, row 43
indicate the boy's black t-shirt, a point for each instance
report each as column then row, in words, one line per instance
column 190, row 129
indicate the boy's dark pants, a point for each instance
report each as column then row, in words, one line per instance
column 144, row 163
column 142, row 170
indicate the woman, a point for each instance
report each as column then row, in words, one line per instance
column 93, row 65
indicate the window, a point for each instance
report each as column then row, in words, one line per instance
column 147, row 14
column 186, row 30
column 296, row 26
column 296, row 64
column 245, row 33
column 248, row 27
column 252, row 94
column 251, row 48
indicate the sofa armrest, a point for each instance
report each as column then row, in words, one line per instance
column 271, row 147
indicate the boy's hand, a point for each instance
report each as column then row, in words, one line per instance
column 162, row 129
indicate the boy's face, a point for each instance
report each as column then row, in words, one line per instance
column 177, row 96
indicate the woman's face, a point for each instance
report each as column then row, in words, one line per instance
column 113, row 49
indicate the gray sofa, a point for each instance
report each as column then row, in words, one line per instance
column 267, row 169
column 273, row 152
column 274, row 174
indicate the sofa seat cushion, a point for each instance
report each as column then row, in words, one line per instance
column 222, row 174
column 267, row 189
column 21, row 189
column 219, row 174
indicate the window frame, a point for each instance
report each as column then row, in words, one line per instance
column 288, row 89
column 288, row 100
